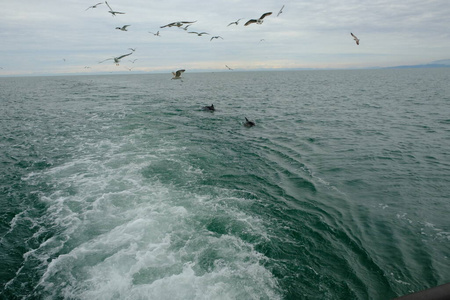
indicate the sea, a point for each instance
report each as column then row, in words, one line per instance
column 123, row 187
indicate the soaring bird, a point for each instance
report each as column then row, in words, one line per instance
column 355, row 38
column 281, row 10
column 235, row 22
column 177, row 24
column 258, row 21
column 198, row 33
column 216, row 37
column 94, row 6
column 133, row 61
column 228, row 67
column 117, row 59
column 155, row 34
column 123, row 28
column 177, row 74
column 112, row 12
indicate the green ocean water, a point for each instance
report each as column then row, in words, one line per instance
column 122, row 187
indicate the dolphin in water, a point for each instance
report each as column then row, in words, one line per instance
column 249, row 123
column 209, row 108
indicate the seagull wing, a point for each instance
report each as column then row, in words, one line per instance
column 108, row 5
column 122, row 56
column 355, row 38
column 281, row 10
column 193, row 32
column 168, row 25
column 178, row 73
column 265, row 15
column 105, row 60
column 251, row 21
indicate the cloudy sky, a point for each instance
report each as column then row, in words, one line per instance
column 61, row 36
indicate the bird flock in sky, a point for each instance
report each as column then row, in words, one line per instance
column 184, row 25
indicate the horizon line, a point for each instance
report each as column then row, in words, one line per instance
column 431, row 65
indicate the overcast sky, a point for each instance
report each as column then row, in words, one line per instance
column 61, row 36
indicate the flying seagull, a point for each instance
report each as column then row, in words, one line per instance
column 129, row 69
column 116, row 59
column 198, row 33
column 112, row 12
column 355, row 38
column 236, row 22
column 281, row 10
column 123, row 28
column 94, row 6
column 228, row 67
column 132, row 49
column 133, row 61
column 177, row 74
column 216, row 37
column 177, row 24
column 248, row 123
column 258, row 21
column 155, row 34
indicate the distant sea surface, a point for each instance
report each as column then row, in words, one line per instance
column 122, row 187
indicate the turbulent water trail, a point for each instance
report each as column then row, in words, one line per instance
column 113, row 188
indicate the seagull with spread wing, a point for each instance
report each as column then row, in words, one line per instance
column 177, row 24
column 281, row 11
column 258, row 21
column 94, row 6
column 216, row 37
column 123, row 28
column 235, row 22
column 112, row 12
column 198, row 33
column 116, row 59
column 177, row 74
column 355, row 38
